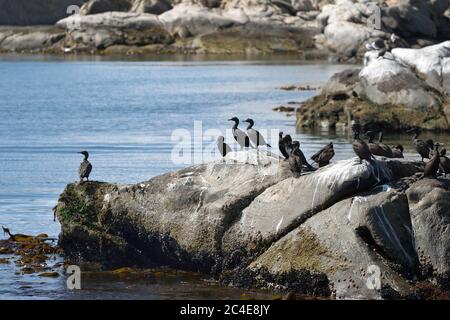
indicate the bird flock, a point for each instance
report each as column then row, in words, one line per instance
column 290, row 150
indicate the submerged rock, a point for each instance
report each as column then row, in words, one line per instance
column 249, row 222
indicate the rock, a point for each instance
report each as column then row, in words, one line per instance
column 151, row 6
column 289, row 203
column 387, row 81
column 101, row 31
column 431, row 64
column 345, row 228
column 195, row 20
column 182, row 216
column 430, row 203
column 20, row 39
column 406, row 88
column 329, row 243
column 36, row 12
column 102, row 6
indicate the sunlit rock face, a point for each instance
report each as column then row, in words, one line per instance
column 245, row 219
column 404, row 88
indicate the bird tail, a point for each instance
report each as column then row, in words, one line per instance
column 268, row 145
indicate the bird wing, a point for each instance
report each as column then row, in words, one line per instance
column 282, row 147
column 256, row 138
column 241, row 138
column 316, row 157
column 85, row 169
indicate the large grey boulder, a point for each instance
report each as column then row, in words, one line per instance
column 405, row 88
column 100, row 31
column 345, row 228
column 34, row 39
column 177, row 218
column 430, row 202
column 281, row 208
column 343, row 243
column 192, row 20
column 388, row 81
column 430, row 63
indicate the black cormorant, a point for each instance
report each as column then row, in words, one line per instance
column 324, row 156
column 85, row 167
column 397, row 151
column 240, row 136
column 282, row 146
column 295, row 160
column 374, row 148
column 432, row 166
column 301, row 155
column 224, row 148
column 445, row 161
column 360, row 147
column 386, row 149
column 423, row 148
column 255, row 137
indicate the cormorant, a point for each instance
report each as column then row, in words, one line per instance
column 382, row 46
column 85, row 167
column 445, row 161
column 224, row 148
column 397, row 151
column 360, row 147
column 295, row 160
column 386, row 149
column 282, row 146
column 255, row 137
column 324, row 156
column 423, row 148
column 301, row 155
column 240, row 136
column 374, row 148
column 6, row 231
column 432, row 166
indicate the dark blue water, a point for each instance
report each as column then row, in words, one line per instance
column 124, row 113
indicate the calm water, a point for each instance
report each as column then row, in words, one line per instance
column 124, row 113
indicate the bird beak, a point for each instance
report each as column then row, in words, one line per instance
column 230, row 119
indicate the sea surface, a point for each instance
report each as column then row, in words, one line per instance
column 128, row 114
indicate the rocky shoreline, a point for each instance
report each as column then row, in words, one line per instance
column 309, row 29
column 251, row 225
column 408, row 88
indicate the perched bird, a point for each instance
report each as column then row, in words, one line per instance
column 445, row 161
column 379, row 45
column 298, row 152
column 386, row 149
column 282, row 146
column 374, row 148
column 85, row 167
column 16, row 237
column 240, row 136
column 423, row 148
column 360, row 147
column 295, row 161
column 6, row 231
column 432, row 166
column 224, row 148
column 324, row 156
column 397, row 151
column 255, row 137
